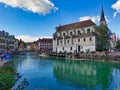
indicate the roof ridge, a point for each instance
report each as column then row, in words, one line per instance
column 76, row 22
column 76, row 25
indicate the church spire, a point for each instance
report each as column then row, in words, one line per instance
column 102, row 18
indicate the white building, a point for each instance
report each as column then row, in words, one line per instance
column 80, row 36
column 7, row 42
column 74, row 37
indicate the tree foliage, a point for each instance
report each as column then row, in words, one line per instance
column 118, row 44
column 21, row 42
column 102, row 32
column 7, row 73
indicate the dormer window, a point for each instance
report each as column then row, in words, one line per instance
column 88, row 30
column 71, row 33
column 63, row 34
column 79, row 32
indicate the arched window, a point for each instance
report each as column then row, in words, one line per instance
column 63, row 48
column 90, row 39
column 84, row 39
column 68, row 41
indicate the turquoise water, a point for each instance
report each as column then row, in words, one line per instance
column 61, row 74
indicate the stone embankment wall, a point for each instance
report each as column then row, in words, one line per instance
column 114, row 56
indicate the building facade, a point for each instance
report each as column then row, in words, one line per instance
column 21, row 47
column 75, row 37
column 81, row 36
column 7, row 42
column 45, row 45
column 112, row 41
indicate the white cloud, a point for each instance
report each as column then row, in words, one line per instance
column 116, row 6
column 36, row 6
column 115, row 14
column 93, row 18
column 27, row 38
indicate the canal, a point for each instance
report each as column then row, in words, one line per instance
column 61, row 74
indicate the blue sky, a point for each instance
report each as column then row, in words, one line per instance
column 31, row 19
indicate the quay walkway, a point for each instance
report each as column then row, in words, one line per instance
column 1, row 63
column 111, row 56
column 105, row 55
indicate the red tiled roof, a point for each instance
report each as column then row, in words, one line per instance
column 46, row 40
column 67, row 37
column 75, row 25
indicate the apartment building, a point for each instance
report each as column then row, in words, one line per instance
column 7, row 42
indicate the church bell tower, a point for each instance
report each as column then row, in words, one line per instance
column 102, row 18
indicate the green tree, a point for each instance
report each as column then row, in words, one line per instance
column 102, row 32
column 20, row 42
column 7, row 73
column 118, row 44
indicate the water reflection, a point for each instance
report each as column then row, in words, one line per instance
column 115, row 79
column 88, row 74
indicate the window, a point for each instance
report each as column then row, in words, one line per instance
column 63, row 34
column 63, row 48
column 79, row 32
column 70, row 33
column 70, row 48
column 90, row 39
column 56, row 49
column 57, row 42
column 88, row 30
column 61, row 42
column 84, row 39
column 78, row 40
column 68, row 41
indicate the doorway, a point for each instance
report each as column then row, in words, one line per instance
column 78, row 48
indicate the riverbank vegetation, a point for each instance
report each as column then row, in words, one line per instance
column 7, row 73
